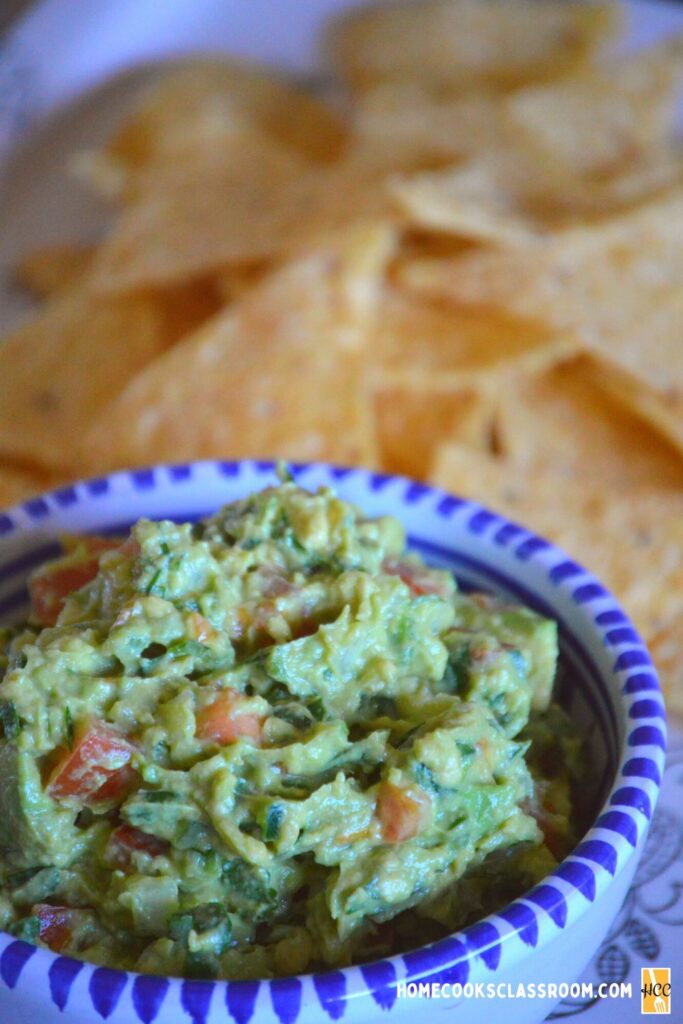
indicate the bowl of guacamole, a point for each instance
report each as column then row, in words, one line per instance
column 253, row 731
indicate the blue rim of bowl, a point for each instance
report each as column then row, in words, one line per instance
column 603, row 852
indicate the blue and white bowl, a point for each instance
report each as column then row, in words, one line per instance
column 548, row 935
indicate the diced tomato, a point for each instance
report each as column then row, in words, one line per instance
column 237, row 621
column 117, row 786
column 248, row 625
column 50, row 586
column 98, row 754
column 221, row 721
column 200, row 628
column 419, row 578
column 126, row 840
column 56, row 924
column 273, row 583
column 306, row 626
column 401, row 813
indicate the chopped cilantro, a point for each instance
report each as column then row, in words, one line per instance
column 317, row 708
column 467, row 751
column 274, row 819
column 424, row 776
column 69, row 727
column 27, row 929
column 9, row 720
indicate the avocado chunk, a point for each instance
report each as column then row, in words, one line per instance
column 517, row 628
column 36, row 830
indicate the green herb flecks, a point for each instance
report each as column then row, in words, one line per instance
column 273, row 824
column 9, row 720
column 69, row 727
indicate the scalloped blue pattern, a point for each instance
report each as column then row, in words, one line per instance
column 240, row 1000
column 61, row 975
column 149, row 992
column 331, row 991
column 380, row 978
column 632, row 796
column 6, row 524
column 285, row 994
column 106, row 988
column 551, row 900
column 483, row 938
column 13, row 960
column 579, row 875
column 640, row 682
column 195, row 998
column 524, row 921
column 630, row 803
column 619, row 822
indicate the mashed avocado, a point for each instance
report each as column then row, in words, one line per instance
column 270, row 741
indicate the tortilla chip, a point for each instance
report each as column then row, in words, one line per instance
column 660, row 408
column 610, row 117
column 200, row 218
column 233, row 283
column 410, row 423
column 410, row 115
column 61, row 367
column 631, row 539
column 616, row 285
column 459, row 44
column 513, row 197
column 205, row 108
column 477, row 201
column 564, row 418
column 277, row 375
column 52, row 268
column 19, row 484
column 195, row 217
column 423, row 344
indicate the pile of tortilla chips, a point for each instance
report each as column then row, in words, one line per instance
column 465, row 265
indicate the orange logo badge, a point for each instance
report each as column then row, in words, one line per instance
column 655, row 990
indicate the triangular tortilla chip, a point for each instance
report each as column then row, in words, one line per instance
column 52, row 268
column 616, row 285
column 62, row 366
column 479, row 201
column 458, row 44
column 410, row 423
column 565, row 418
column 410, row 115
column 277, row 375
column 199, row 218
column 206, row 107
column 422, row 343
column 615, row 115
column 192, row 218
column 632, row 539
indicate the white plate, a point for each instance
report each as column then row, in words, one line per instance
column 69, row 71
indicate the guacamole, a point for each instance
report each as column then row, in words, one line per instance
column 268, row 742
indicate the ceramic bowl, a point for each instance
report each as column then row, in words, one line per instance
column 547, row 936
